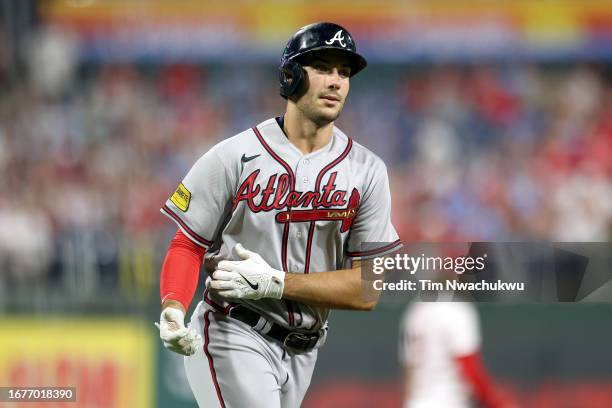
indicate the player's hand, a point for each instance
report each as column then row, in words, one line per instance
column 251, row 278
column 175, row 336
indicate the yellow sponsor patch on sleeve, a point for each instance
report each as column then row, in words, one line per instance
column 181, row 197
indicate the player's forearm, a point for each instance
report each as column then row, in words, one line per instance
column 336, row 290
column 180, row 270
column 476, row 375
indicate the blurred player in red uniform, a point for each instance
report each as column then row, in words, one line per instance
column 440, row 353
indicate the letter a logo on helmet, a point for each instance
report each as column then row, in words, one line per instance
column 337, row 37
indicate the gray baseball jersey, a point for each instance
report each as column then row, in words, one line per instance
column 302, row 213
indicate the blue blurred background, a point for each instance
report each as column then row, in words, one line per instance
column 494, row 119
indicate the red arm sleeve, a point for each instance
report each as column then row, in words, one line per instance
column 180, row 271
column 476, row 375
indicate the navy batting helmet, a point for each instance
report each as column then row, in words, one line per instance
column 312, row 38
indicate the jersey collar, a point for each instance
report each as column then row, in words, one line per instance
column 273, row 132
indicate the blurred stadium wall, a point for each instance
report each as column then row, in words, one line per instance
column 494, row 118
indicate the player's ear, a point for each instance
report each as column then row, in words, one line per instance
column 302, row 88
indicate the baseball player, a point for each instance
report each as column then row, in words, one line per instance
column 440, row 353
column 279, row 213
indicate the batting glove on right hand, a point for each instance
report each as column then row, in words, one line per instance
column 175, row 336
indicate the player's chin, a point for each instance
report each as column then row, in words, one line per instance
column 329, row 114
column 324, row 118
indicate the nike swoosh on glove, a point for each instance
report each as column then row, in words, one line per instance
column 251, row 278
column 175, row 336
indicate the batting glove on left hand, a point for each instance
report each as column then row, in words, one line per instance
column 175, row 336
column 251, row 278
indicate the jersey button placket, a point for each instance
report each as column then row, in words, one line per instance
column 305, row 172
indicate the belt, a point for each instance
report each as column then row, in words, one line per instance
column 288, row 338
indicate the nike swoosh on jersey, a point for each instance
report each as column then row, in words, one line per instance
column 254, row 287
column 245, row 159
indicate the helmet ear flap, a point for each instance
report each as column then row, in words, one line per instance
column 290, row 75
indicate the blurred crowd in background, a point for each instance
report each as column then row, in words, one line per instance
column 475, row 152
column 504, row 153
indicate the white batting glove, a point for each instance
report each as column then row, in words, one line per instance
column 251, row 278
column 175, row 336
